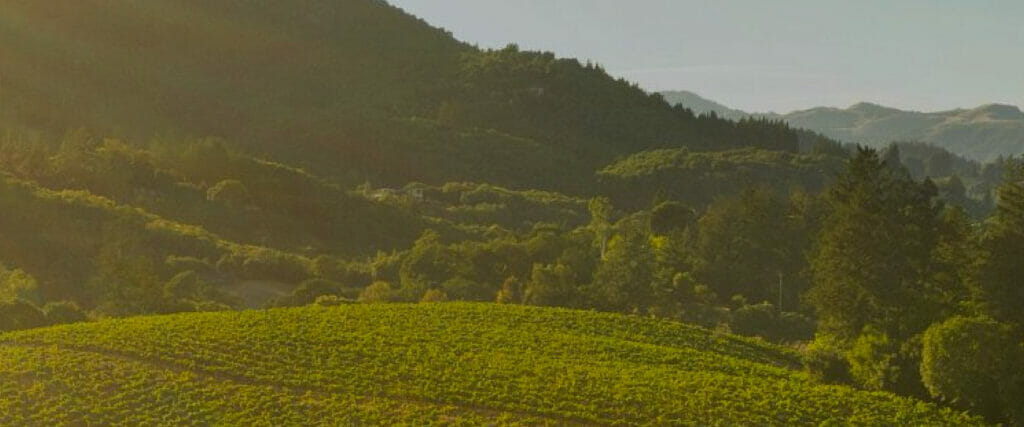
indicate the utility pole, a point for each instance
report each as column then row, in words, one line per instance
column 780, row 293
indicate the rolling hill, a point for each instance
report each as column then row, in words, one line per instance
column 353, row 90
column 233, row 135
column 429, row 363
column 982, row 133
column 702, row 105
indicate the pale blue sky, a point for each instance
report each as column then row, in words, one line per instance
column 764, row 55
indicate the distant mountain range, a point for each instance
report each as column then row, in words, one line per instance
column 983, row 133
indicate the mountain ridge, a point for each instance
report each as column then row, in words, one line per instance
column 982, row 133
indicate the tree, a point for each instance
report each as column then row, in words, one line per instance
column 874, row 253
column 625, row 278
column 1000, row 284
column 20, row 314
column 878, row 362
column 892, row 157
column 17, row 284
column 668, row 217
column 939, row 164
column 377, row 292
column 428, row 265
column 551, row 285
column 600, row 221
column 974, row 363
column 511, row 292
column 745, row 243
column 126, row 280
column 434, row 295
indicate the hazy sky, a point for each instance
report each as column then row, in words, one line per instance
column 764, row 55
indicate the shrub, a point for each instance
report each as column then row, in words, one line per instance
column 62, row 312
column 825, row 361
column 872, row 360
column 16, row 284
column 434, row 295
column 795, row 327
column 974, row 364
column 20, row 314
column 377, row 292
column 331, row 300
column 754, row 320
column 705, row 315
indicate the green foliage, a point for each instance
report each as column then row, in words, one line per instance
column 671, row 216
column 61, row 312
column 377, row 292
column 551, row 285
column 873, row 360
column 1000, row 271
column 489, row 157
column 127, row 281
column 696, row 178
column 874, row 253
column 20, row 314
column 738, row 249
column 753, row 319
column 625, row 278
column 332, row 300
column 974, row 364
column 825, row 360
column 16, row 284
column 434, row 295
column 420, row 364
column 427, row 266
column 764, row 320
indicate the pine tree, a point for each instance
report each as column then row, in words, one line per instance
column 874, row 251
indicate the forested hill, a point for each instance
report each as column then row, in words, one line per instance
column 355, row 89
column 168, row 156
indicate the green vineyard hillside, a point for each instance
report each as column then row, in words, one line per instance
column 455, row 363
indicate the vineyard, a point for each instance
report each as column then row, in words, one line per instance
column 449, row 364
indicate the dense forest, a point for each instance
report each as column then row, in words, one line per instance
column 353, row 154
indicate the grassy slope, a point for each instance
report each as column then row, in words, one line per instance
column 418, row 363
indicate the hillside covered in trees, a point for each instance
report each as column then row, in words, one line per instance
column 216, row 156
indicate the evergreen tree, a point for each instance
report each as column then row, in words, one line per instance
column 1001, row 271
column 873, row 254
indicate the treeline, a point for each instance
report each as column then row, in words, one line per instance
column 964, row 182
column 112, row 227
column 899, row 290
column 912, row 296
column 696, row 178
